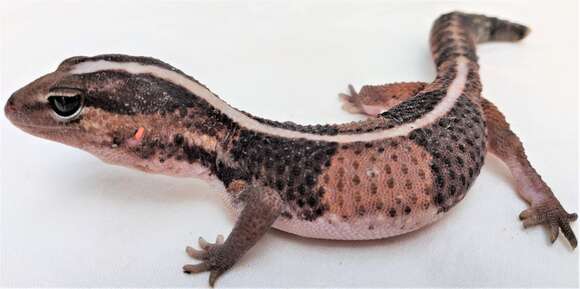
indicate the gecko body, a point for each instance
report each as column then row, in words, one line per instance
column 404, row 167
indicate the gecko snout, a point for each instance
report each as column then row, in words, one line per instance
column 10, row 109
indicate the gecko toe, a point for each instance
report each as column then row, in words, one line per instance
column 526, row 213
column 554, row 232
column 219, row 239
column 568, row 233
column 196, row 254
column 531, row 221
column 213, row 275
column 197, row 268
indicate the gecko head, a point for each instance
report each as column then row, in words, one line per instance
column 125, row 110
column 47, row 107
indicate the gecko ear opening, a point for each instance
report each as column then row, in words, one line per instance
column 66, row 107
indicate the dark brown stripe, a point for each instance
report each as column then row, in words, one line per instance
column 289, row 166
column 121, row 58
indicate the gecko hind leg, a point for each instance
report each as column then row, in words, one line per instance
column 372, row 100
column 545, row 209
column 262, row 208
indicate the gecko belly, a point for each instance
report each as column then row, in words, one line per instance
column 365, row 228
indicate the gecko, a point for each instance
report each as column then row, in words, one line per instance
column 405, row 166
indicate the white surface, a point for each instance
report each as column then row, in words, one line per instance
column 70, row 220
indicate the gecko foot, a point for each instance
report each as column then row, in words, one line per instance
column 551, row 213
column 215, row 259
column 350, row 101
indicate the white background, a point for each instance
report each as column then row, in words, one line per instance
column 70, row 220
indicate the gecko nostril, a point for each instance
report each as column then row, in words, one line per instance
column 10, row 107
column 11, row 100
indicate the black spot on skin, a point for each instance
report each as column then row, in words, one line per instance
column 452, row 190
column 286, row 215
column 310, row 180
column 440, row 181
column 435, row 169
column 391, row 183
column 460, row 161
column 279, row 184
column 452, row 175
column 407, row 210
column 300, row 203
column 318, row 212
column 178, row 139
column 374, row 189
column 387, row 168
column 182, row 112
column 117, row 140
column 439, row 199
column 312, row 201
column 392, row 212
column 280, row 169
column 340, row 185
column 380, row 206
column 356, row 180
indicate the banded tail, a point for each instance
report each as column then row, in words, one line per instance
column 455, row 34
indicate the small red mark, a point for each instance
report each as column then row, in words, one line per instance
column 139, row 134
column 137, row 137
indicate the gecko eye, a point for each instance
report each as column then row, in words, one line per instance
column 66, row 107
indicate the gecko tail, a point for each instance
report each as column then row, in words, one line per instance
column 487, row 29
column 456, row 34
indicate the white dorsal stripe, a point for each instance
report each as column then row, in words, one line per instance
column 455, row 90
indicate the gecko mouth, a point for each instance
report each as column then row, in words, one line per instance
column 27, row 126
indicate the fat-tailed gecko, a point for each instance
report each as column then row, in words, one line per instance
column 404, row 167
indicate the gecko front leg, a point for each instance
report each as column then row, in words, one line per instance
column 544, row 208
column 262, row 207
